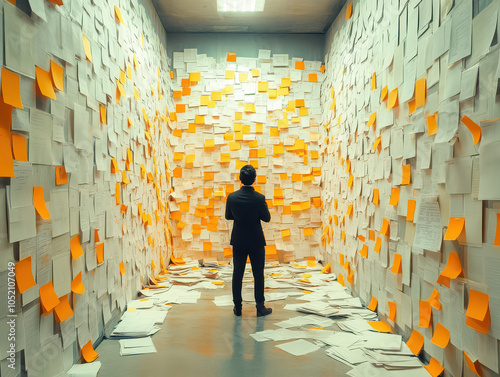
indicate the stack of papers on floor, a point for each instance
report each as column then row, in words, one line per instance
column 85, row 370
column 137, row 346
column 319, row 308
column 134, row 327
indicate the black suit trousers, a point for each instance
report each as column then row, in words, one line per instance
column 257, row 259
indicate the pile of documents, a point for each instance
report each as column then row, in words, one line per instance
column 137, row 346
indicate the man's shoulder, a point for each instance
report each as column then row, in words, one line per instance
column 260, row 196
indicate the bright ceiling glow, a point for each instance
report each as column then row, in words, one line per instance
column 240, row 5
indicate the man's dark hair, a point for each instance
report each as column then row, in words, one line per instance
column 247, row 175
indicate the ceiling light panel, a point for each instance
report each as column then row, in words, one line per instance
column 240, row 5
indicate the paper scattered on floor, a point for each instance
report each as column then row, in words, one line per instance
column 85, row 370
column 137, row 346
column 298, row 347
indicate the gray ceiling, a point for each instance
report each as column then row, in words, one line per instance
column 279, row 16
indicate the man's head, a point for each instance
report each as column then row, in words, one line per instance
column 247, row 175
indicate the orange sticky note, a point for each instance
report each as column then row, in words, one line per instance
column 308, row 231
column 86, row 46
column 395, row 191
column 118, row 16
column 375, row 196
column 478, row 311
column 378, row 245
column 385, row 227
column 63, row 310
column 300, row 65
column 474, row 366
column 473, row 127
column 380, row 326
column 285, row 233
column 104, row 118
column 455, row 227
column 313, row 77
column 434, row 300
column 372, row 120
column 39, row 202
column 424, row 313
column 420, row 92
column 383, row 93
column 118, row 194
column 374, row 82
column 415, row 342
column 392, row 310
column 373, row 304
column 406, row 175
column 61, row 175
column 209, row 143
column 11, row 88
column 99, row 249
column 76, row 247
column 452, row 270
column 441, row 336
column 396, row 266
column 57, row 75
column 364, row 251
column 497, row 232
column 7, row 162
column 122, row 268
column 432, row 124
column 348, row 12
column 44, row 82
column 77, row 285
column 434, row 368
column 393, row 99
column 410, row 212
column 24, row 275
column 88, row 352
column 48, row 297
column 20, row 147
column 231, row 57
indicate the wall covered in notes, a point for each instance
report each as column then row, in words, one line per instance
column 84, row 214
column 410, row 173
column 235, row 111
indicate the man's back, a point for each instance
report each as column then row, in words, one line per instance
column 247, row 208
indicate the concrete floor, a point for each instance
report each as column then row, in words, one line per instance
column 205, row 340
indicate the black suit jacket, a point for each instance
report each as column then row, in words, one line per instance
column 247, row 208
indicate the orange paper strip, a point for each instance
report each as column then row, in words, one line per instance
column 76, row 247
column 410, row 212
column 415, row 342
column 63, row 310
column 473, row 127
column 48, row 297
column 455, row 227
column 24, row 275
column 394, row 196
column 11, row 88
column 396, row 267
column 434, row 368
column 39, row 202
column 20, row 147
column 441, row 336
column 88, row 352
column 77, row 285
column 57, row 75
column 373, row 304
column 44, row 82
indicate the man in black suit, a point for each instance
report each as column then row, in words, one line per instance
column 247, row 208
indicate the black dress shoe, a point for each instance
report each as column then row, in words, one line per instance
column 237, row 311
column 262, row 310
